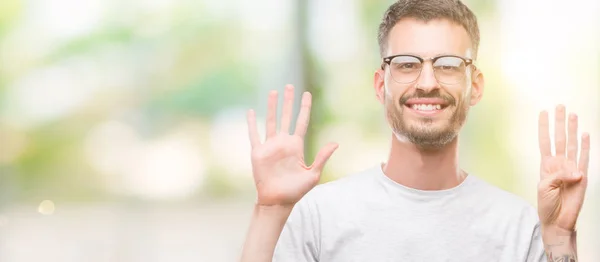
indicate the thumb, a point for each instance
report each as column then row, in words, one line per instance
column 565, row 178
column 323, row 156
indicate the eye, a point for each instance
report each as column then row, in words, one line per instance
column 408, row 65
column 449, row 64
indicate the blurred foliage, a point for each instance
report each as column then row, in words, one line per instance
column 54, row 166
column 223, row 90
column 198, row 82
column 9, row 11
column 93, row 42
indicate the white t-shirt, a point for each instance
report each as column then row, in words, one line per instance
column 369, row 217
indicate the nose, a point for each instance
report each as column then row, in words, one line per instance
column 427, row 81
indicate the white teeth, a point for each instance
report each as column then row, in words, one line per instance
column 424, row 107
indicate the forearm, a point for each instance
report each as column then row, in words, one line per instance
column 263, row 234
column 560, row 245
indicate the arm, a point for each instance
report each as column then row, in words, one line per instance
column 265, row 229
column 560, row 245
column 280, row 175
column 562, row 186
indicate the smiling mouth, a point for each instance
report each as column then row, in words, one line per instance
column 427, row 107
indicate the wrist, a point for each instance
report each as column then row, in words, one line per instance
column 273, row 211
column 265, row 228
column 559, row 243
column 556, row 232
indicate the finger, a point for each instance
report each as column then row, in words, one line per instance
column 288, row 104
column 584, row 156
column 252, row 130
column 304, row 115
column 544, row 135
column 323, row 155
column 560, row 136
column 272, row 114
column 573, row 137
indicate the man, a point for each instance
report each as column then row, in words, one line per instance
column 419, row 205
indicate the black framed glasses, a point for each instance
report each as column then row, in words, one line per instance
column 448, row 69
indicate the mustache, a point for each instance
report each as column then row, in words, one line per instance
column 433, row 94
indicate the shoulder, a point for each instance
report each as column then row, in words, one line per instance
column 505, row 203
column 347, row 186
column 342, row 190
column 329, row 197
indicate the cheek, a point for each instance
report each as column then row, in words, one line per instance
column 462, row 93
column 392, row 97
column 387, row 88
column 392, row 92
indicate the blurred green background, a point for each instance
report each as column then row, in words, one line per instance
column 122, row 123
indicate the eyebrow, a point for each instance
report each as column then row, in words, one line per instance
column 437, row 55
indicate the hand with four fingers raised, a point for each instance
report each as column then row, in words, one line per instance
column 563, row 182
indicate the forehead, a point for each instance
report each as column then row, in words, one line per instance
column 428, row 39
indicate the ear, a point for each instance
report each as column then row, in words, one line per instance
column 477, row 86
column 379, row 85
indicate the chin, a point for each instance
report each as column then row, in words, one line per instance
column 435, row 134
column 433, row 139
column 427, row 124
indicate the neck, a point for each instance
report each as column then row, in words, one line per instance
column 421, row 169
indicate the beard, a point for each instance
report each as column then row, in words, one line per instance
column 424, row 132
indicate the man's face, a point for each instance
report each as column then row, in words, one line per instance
column 428, row 112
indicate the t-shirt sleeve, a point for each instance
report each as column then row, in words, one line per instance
column 536, row 247
column 299, row 240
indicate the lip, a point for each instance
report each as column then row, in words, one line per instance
column 434, row 101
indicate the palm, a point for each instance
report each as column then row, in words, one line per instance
column 280, row 173
column 563, row 178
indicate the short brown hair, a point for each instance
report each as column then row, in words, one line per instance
column 426, row 10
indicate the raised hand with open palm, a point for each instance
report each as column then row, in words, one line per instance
column 280, row 172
